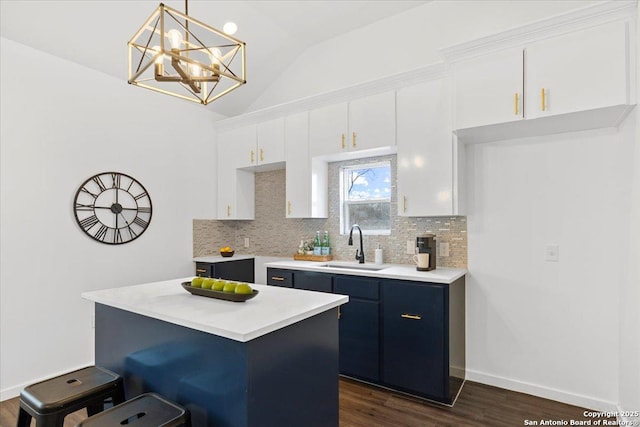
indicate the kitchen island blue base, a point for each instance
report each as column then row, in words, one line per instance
column 288, row 377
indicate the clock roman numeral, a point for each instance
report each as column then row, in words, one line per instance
column 115, row 177
column 102, row 233
column 89, row 192
column 98, row 181
column 89, row 222
column 144, row 209
column 141, row 195
column 81, row 207
column 117, row 236
column 140, row 222
column 132, row 233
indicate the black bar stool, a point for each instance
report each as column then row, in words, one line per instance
column 50, row 401
column 146, row 410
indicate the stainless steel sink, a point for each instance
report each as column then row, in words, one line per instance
column 355, row 266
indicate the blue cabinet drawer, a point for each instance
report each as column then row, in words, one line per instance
column 359, row 287
column 279, row 277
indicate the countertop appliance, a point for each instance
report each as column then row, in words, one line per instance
column 425, row 252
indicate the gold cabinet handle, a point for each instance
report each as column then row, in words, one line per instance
column 228, row 210
column 200, row 270
column 261, row 155
column 342, row 143
column 411, row 316
column 277, row 279
column 289, row 207
column 339, row 312
column 515, row 103
column 353, row 139
column 252, row 156
column 404, row 203
column 542, row 97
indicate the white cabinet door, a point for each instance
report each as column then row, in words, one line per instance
column 580, row 71
column 236, row 188
column 327, row 130
column 270, row 147
column 372, row 122
column 244, row 141
column 489, row 89
column 306, row 180
column 425, row 162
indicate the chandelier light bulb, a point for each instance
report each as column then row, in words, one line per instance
column 230, row 28
column 195, row 70
column 215, row 56
column 154, row 50
column 175, row 38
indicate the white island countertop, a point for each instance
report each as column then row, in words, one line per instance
column 386, row 271
column 272, row 309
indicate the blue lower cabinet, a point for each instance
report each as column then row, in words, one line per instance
column 415, row 345
column 313, row 281
column 359, row 327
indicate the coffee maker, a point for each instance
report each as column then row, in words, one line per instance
column 426, row 244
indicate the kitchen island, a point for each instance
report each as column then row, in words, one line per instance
column 269, row 361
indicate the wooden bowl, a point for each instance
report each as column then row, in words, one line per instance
column 227, row 254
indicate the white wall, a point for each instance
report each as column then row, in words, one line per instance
column 62, row 123
column 400, row 43
column 630, row 293
column 549, row 328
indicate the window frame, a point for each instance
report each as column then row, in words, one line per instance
column 344, row 203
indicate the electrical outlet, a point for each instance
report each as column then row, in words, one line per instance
column 552, row 253
column 246, row 242
column 411, row 247
column 444, row 249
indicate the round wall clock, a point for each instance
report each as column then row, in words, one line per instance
column 112, row 208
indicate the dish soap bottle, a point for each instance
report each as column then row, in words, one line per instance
column 301, row 247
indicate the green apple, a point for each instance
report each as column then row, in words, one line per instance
column 197, row 282
column 230, row 287
column 207, row 283
column 243, row 288
column 218, row 285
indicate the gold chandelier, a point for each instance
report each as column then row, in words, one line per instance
column 177, row 55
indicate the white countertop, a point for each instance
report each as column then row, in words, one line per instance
column 390, row 271
column 220, row 258
column 272, row 309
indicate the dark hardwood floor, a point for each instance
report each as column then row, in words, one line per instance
column 362, row 405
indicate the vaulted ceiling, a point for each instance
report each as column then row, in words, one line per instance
column 94, row 33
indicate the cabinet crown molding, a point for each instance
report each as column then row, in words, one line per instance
column 372, row 87
column 522, row 35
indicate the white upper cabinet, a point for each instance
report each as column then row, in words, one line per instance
column 243, row 140
column 328, row 130
column 584, row 70
column 576, row 81
column 489, row 89
column 425, row 151
column 270, row 142
column 306, row 180
column 236, row 187
column 361, row 124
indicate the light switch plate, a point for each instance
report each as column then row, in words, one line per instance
column 246, row 242
column 411, row 247
column 552, row 253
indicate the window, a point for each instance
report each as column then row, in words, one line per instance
column 365, row 198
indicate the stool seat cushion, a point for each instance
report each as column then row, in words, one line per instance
column 147, row 410
column 56, row 393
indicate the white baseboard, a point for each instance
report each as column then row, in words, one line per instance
column 11, row 392
column 541, row 391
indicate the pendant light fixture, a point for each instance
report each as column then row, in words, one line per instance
column 178, row 55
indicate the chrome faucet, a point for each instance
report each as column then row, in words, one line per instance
column 359, row 254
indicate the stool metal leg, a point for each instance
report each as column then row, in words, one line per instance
column 24, row 419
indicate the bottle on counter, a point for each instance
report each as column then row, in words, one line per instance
column 301, row 247
column 326, row 248
column 317, row 244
